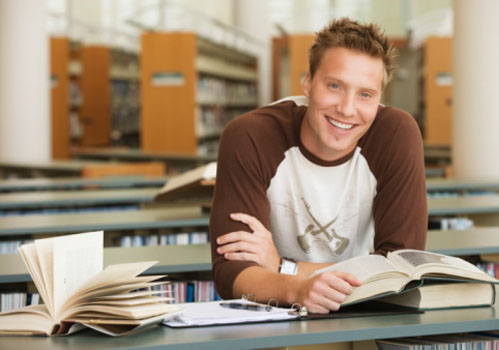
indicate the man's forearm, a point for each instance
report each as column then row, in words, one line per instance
column 266, row 284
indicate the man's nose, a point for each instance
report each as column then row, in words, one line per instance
column 346, row 105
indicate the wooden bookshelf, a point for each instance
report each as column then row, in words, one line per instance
column 189, row 91
column 95, row 116
column 438, row 90
column 290, row 64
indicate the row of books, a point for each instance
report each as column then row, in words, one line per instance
column 452, row 223
column 189, row 291
column 208, row 147
column 218, row 91
column 175, row 238
column 210, row 120
column 11, row 301
column 125, row 112
column 491, row 268
column 12, row 247
column 458, row 341
column 451, row 194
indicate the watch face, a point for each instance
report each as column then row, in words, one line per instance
column 288, row 267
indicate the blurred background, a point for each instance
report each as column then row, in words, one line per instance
column 167, row 75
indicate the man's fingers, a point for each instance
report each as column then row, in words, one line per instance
column 348, row 277
column 240, row 246
column 253, row 223
column 235, row 236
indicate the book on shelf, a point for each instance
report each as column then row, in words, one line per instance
column 197, row 183
column 417, row 279
column 77, row 292
column 442, row 341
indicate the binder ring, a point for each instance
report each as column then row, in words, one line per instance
column 300, row 310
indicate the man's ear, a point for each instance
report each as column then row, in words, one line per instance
column 307, row 84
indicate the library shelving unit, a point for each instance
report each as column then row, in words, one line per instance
column 190, row 89
column 289, row 64
column 95, row 96
column 437, row 85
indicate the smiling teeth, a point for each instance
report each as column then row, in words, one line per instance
column 340, row 125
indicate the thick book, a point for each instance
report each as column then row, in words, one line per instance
column 77, row 292
column 197, row 183
column 418, row 279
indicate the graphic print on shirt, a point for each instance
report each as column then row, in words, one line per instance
column 337, row 244
column 321, row 213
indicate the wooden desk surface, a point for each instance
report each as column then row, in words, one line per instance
column 113, row 220
column 54, row 199
column 71, row 183
column 277, row 334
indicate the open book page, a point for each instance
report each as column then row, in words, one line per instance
column 76, row 259
column 115, row 328
column 45, row 253
column 205, row 172
column 120, row 273
column 33, row 319
column 365, row 268
column 30, row 257
column 418, row 263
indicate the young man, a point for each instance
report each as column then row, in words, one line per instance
column 314, row 180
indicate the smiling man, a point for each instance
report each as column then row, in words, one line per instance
column 316, row 179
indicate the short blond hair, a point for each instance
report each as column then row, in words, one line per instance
column 350, row 34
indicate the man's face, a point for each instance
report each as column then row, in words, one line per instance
column 344, row 95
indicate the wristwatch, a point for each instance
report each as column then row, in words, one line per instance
column 288, row 266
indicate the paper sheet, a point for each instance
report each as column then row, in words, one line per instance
column 211, row 313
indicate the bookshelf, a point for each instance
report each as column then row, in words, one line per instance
column 289, row 64
column 190, row 89
column 437, row 83
column 95, row 96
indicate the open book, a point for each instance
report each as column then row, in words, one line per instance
column 193, row 184
column 417, row 279
column 77, row 292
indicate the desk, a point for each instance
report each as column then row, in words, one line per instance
column 114, row 220
column 197, row 257
column 76, row 198
column 435, row 185
column 49, row 168
column 171, row 259
column 121, row 154
column 487, row 204
column 277, row 334
column 72, row 183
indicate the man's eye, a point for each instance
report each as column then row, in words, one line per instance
column 334, row 86
column 365, row 95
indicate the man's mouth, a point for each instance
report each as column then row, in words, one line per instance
column 340, row 125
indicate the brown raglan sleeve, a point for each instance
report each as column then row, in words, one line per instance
column 240, row 187
column 400, row 206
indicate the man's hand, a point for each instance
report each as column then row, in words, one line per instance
column 326, row 291
column 257, row 246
